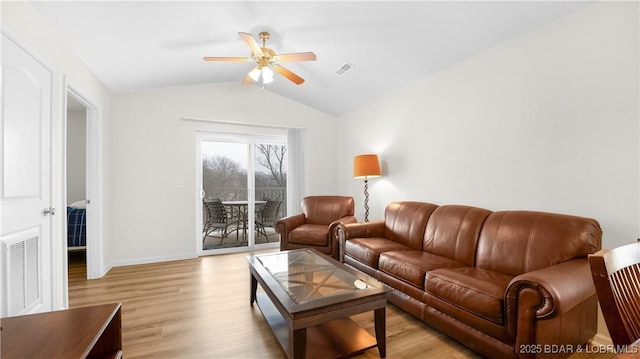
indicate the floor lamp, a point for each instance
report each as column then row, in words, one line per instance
column 365, row 166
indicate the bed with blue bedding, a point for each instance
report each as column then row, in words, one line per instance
column 76, row 228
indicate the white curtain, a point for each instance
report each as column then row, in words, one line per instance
column 295, row 170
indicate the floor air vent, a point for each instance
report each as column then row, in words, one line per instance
column 22, row 258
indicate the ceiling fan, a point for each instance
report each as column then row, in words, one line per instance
column 267, row 61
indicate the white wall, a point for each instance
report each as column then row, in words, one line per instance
column 154, row 149
column 21, row 21
column 546, row 121
column 76, row 156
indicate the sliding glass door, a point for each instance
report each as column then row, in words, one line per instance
column 225, row 194
column 270, row 180
column 242, row 191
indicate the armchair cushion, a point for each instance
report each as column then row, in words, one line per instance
column 314, row 234
column 326, row 209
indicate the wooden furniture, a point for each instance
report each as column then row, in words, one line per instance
column 308, row 298
column 632, row 351
column 89, row 332
column 615, row 276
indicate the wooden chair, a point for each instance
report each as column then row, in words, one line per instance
column 267, row 216
column 217, row 218
column 616, row 276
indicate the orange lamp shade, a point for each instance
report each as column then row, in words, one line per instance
column 366, row 166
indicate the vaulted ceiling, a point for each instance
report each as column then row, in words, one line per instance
column 136, row 45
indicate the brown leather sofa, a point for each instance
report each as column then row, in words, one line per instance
column 315, row 226
column 506, row 284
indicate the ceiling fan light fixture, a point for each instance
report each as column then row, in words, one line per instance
column 267, row 75
column 266, row 60
column 255, row 73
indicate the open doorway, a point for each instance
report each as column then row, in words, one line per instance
column 76, row 189
column 91, row 195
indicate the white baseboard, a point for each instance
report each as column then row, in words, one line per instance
column 602, row 340
column 105, row 270
column 148, row 260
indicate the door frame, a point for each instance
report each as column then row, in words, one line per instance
column 94, row 247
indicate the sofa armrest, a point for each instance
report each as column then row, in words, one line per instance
column 345, row 231
column 333, row 233
column 363, row 229
column 287, row 224
column 542, row 303
column 344, row 220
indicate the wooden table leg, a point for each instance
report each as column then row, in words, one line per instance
column 254, row 289
column 298, row 344
column 381, row 328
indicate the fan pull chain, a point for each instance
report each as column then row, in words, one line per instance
column 267, row 87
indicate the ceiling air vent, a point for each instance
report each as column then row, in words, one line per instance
column 344, row 68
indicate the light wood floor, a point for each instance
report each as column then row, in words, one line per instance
column 200, row 308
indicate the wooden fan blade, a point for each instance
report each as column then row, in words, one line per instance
column 247, row 80
column 222, row 58
column 298, row 56
column 251, row 42
column 288, row 74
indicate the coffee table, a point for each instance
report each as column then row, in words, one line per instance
column 308, row 298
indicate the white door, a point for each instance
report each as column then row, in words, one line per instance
column 25, row 183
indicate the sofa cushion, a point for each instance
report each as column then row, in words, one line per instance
column 404, row 222
column 453, row 231
column 412, row 266
column 367, row 250
column 314, row 234
column 478, row 291
column 516, row 242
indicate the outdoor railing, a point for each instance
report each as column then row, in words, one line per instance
column 240, row 194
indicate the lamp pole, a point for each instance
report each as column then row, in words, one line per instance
column 366, row 199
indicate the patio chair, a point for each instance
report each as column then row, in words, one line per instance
column 217, row 219
column 267, row 217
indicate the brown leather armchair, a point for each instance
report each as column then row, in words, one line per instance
column 315, row 227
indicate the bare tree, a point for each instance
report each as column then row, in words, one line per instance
column 272, row 158
column 220, row 174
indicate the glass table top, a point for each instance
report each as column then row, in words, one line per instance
column 306, row 276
